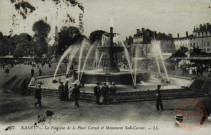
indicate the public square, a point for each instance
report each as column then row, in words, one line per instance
column 20, row 110
column 17, row 110
column 117, row 67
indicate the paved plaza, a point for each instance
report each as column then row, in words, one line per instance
column 24, row 71
column 16, row 109
column 20, row 109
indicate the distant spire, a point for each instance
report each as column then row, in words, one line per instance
column 112, row 35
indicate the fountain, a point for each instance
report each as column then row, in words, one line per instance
column 109, row 61
column 110, row 53
column 158, row 54
column 105, row 61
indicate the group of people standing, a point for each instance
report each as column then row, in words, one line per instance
column 196, row 69
column 103, row 93
column 33, row 72
column 65, row 93
column 39, row 68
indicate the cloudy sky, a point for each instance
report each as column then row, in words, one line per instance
column 169, row 16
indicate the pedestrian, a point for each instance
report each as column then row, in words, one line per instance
column 158, row 98
column 97, row 92
column 7, row 71
column 105, row 93
column 66, row 91
column 40, row 72
column 32, row 72
column 113, row 90
column 61, row 91
column 70, row 93
column 24, row 88
column 76, row 94
column 201, row 71
column 49, row 65
column 38, row 95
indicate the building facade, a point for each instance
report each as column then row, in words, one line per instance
column 201, row 38
column 144, row 37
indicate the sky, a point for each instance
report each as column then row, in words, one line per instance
column 43, row 9
column 169, row 16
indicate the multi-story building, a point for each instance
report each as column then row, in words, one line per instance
column 140, row 40
column 167, row 46
column 201, row 38
column 182, row 41
column 144, row 37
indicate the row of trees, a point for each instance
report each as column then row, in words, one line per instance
column 26, row 45
column 70, row 35
column 37, row 45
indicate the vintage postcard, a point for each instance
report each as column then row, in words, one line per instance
column 110, row 67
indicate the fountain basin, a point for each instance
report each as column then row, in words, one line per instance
column 117, row 77
column 114, row 49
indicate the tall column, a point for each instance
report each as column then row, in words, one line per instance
column 111, row 36
column 56, row 41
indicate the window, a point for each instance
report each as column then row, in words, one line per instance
column 208, row 43
column 208, row 50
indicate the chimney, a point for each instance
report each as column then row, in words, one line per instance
column 138, row 31
column 208, row 25
column 194, row 28
column 178, row 35
column 186, row 33
column 142, row 30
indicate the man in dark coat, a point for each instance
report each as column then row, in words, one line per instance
column 105, row 93
column 158, row 98
column 49, row 65
column 61, row 91
column 7, row 71
column 97, row 92
column 32, row 72
column 40, row 72
column 38, row 95
column 66, row 90
column 76, row 94
column 24, row 88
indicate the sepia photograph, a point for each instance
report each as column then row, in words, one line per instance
column 105, row 67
